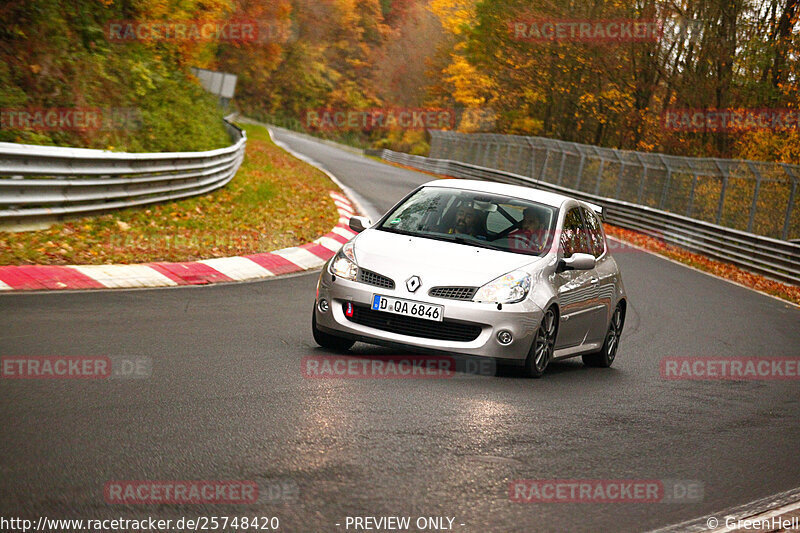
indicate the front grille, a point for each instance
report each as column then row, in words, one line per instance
column 453, row 293
column 447, row 330
column 373, row 278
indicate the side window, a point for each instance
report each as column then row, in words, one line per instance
column 594, row 232
column 573, row 238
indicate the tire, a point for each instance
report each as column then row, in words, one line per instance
column 326, row 340
column 543, row 345
column 605, row 357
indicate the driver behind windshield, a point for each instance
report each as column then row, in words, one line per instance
column 467, row 221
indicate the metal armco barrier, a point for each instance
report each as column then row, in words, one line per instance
column 773, row 258
column 41, row 184
column 753, row 196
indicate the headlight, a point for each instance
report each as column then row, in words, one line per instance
column 507, row 289
column 344, row 264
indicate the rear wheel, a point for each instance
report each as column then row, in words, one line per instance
column 326, row 340
column 543, row 345
column 605, row 357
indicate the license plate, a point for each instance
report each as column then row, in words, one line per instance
column 399, row 306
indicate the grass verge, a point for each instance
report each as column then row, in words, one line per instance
column 275, row 201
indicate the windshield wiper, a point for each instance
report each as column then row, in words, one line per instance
column 459, row 239
column 398, row 231
column 481, row 244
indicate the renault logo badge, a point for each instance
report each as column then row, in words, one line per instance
column 413, row 283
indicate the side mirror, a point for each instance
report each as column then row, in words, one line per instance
column 359, row 224
column 577, row 262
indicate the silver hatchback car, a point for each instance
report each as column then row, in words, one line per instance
column 477, row 268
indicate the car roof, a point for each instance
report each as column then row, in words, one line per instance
column 526, row 193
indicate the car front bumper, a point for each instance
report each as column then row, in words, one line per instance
column 520, row 319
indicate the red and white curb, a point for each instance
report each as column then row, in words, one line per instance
column 220, row 270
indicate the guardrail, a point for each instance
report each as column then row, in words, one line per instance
column 754, row 196
column 40, row 184
column 773, row 258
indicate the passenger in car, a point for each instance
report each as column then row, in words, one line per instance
column 531, row 232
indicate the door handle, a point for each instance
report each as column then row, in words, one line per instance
column 595, row 280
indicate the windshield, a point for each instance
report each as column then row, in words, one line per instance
column 476, row 219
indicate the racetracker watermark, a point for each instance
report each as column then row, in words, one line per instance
column 275, row 31
column 730, row 120
column 71, row 118
column 585, row 31
column 405, row 118
column 75, row 367
column 143, row 523
column 181, row 492
column 605, row 491
column 731, row 368
column 394, row 367
column 211, row 239
column 182, row 30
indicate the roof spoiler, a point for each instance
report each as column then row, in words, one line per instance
column 597, row 209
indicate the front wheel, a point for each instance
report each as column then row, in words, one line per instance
column 543, row 345
column 326, row 340
column 605, row 357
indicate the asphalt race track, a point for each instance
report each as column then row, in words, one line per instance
column 227, row 400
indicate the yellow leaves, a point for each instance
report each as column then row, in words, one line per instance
column 470, row 87
column 453, row 14
column 770, row 145
column 527, row 126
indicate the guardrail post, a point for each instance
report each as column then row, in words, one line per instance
column 640, row 194
column 599, row 175
column 641, row 185
column 533, row 156
column 508, row 155
column 618, row 190
column 663, row 199
column 543, row 173
column 755, row 171
column 785, row 232
column 690, row 205
column 722, row 192
column 479, row 153
column 561, row 166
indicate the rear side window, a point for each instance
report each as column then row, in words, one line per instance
column 573, row 236
column 594, row 232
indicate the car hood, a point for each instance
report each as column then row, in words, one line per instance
column 436, row 262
